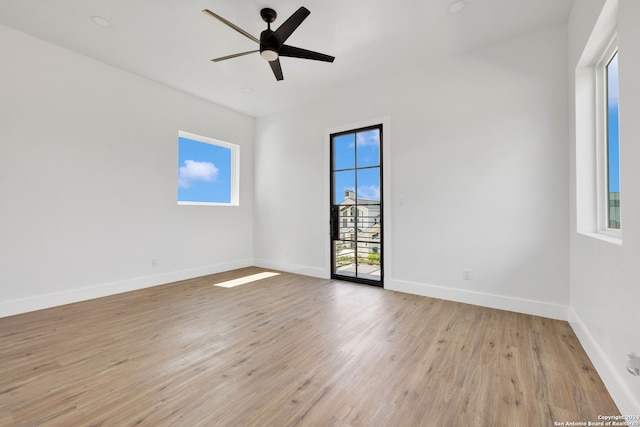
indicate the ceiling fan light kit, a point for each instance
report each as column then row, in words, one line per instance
column 271, row 42
column 269, row 55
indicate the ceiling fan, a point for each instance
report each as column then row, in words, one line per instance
column 271, row 42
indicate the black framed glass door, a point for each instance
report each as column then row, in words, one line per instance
column 356, row 205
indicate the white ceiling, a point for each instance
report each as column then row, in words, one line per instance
column 172, row 42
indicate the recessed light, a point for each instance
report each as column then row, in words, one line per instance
column 457, row 6
column 247, row 89
column 101, row 21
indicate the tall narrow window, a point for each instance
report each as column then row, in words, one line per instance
column 598, row 147
column 613, row 144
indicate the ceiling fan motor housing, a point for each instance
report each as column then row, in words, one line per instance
column 268, row 46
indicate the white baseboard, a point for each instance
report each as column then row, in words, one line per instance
column 291, row 268
column 619, row 392
column 500, row 302
column 39, row 302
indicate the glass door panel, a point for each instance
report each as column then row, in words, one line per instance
column 368, row 148
column 344, row 156
column 356, row 205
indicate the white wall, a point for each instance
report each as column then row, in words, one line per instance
column 605, row 289
column 478, row 176
column 88, row 180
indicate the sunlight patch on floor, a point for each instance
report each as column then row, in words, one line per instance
column 246, row 279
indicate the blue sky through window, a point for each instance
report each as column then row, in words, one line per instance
column 357, row 150
column 204, row 172
column 613, row 141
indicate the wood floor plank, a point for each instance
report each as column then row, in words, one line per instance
column 290, row 350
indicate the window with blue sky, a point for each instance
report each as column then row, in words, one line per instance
column 613, row 145
column 359, row 151
column 207, row 171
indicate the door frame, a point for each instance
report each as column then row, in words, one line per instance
column 386, row 213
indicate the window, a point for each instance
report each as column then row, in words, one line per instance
column 613, row 145
column 608, row 139
column 207, row 171
column 597, row 143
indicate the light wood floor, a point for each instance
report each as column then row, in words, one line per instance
column 290, row 350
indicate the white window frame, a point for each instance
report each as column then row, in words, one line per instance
column 590, row 146
column 235, row 168
column 602, row 137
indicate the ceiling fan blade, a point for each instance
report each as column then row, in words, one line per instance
column 289, row 26
column 277, row 69
column 235, row 55
column 235, row 27
column 296, row 52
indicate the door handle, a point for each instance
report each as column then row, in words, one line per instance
column 335, row 222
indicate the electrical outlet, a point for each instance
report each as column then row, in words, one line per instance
column 466, row 273
column 154, row 262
